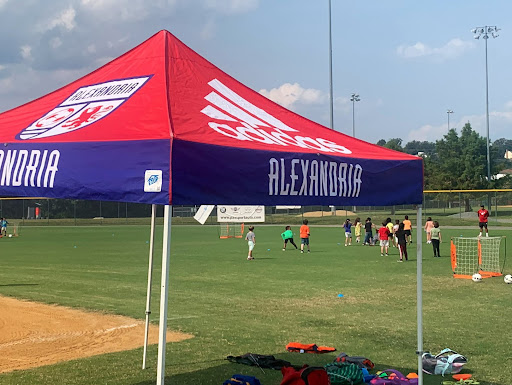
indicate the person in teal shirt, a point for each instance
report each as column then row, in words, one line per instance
column 288, row 237
column 3, row 225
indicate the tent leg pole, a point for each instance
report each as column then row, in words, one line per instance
column 419, row 288
column 150, row 279
column 164, row 295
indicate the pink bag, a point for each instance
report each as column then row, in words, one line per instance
column 399, row 379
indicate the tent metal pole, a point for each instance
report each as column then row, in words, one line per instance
column 150, row 279
column 164, row 295
column 419, row 294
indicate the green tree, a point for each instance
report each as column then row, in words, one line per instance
column 415, row 146
column 460, row 163
column 392, row 144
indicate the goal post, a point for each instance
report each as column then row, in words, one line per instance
column 484, row 255
column 231, row 230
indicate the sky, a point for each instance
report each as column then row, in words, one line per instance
column 409, row 61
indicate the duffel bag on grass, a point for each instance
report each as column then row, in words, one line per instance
column 446, row 362
column 394, row 378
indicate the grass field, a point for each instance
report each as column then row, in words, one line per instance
column 234, row 306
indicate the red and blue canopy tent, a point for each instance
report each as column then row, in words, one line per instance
column 162, row 125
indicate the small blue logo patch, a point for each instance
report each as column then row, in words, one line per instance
column 152, row 179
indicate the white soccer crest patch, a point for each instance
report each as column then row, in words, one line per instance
column 85, row 106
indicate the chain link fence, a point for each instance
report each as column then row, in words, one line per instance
column 449, row 207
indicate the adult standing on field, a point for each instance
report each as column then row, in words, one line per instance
column 408, row 229
column 483, row 217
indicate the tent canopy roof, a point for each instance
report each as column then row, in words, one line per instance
column 159, row 106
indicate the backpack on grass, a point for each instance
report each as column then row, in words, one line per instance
column 307, row 375
column 239, row 379
column 344, row 373
column 360, row 361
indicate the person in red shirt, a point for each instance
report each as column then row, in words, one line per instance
column 384, row 239
column 483, row 216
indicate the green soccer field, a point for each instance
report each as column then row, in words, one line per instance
column 233, row 306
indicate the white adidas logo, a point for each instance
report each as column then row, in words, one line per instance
column 249, row 122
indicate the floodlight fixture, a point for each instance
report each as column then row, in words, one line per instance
column 354, row 98
column 448, row 112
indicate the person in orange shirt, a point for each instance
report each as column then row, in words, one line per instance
column 408, row 228
column 429, row 224
column 304, row 235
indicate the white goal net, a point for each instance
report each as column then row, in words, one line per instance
column 484, row 255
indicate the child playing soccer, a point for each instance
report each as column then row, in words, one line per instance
column 395, row 229
column 389, row 225
column 348, row 232
column 429, row 224
column 251, row 241
column 288, row 237
column 435, row 239
column 401, row 238
column 3, row 224
column 357, row 229
column 384, row 239
column 304, row 235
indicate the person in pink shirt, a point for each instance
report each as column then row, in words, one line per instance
column 428, row 226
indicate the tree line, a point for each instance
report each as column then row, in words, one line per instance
column 459, row 161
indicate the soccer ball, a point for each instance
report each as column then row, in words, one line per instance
column 10, row 235
column 508, row 278
column 476, row 277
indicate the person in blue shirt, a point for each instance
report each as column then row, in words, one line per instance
column 348, row 232
column 3, row 225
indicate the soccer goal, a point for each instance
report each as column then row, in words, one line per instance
column 484, row 255
column 231, row 230
column 14, row 229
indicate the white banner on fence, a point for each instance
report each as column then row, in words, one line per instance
column 240, row 214
column 203, row 213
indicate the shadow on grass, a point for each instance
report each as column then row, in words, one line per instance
column 218, row 374
column 19, row 284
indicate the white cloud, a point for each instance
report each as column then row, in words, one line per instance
column 3, row 2
column 231, row 6
column 26, row 52
column 508, row 105
column 451, row 50
column 288, row 95
column 134, row 10
column 65, row 19
column 56, row 42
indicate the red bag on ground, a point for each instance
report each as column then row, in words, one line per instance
column 307, row 375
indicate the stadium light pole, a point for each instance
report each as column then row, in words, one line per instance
column 485, row 32
column 448, row 112
column 354, row 98
column 331, row 97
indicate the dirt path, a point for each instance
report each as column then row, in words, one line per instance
column 34, row 334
